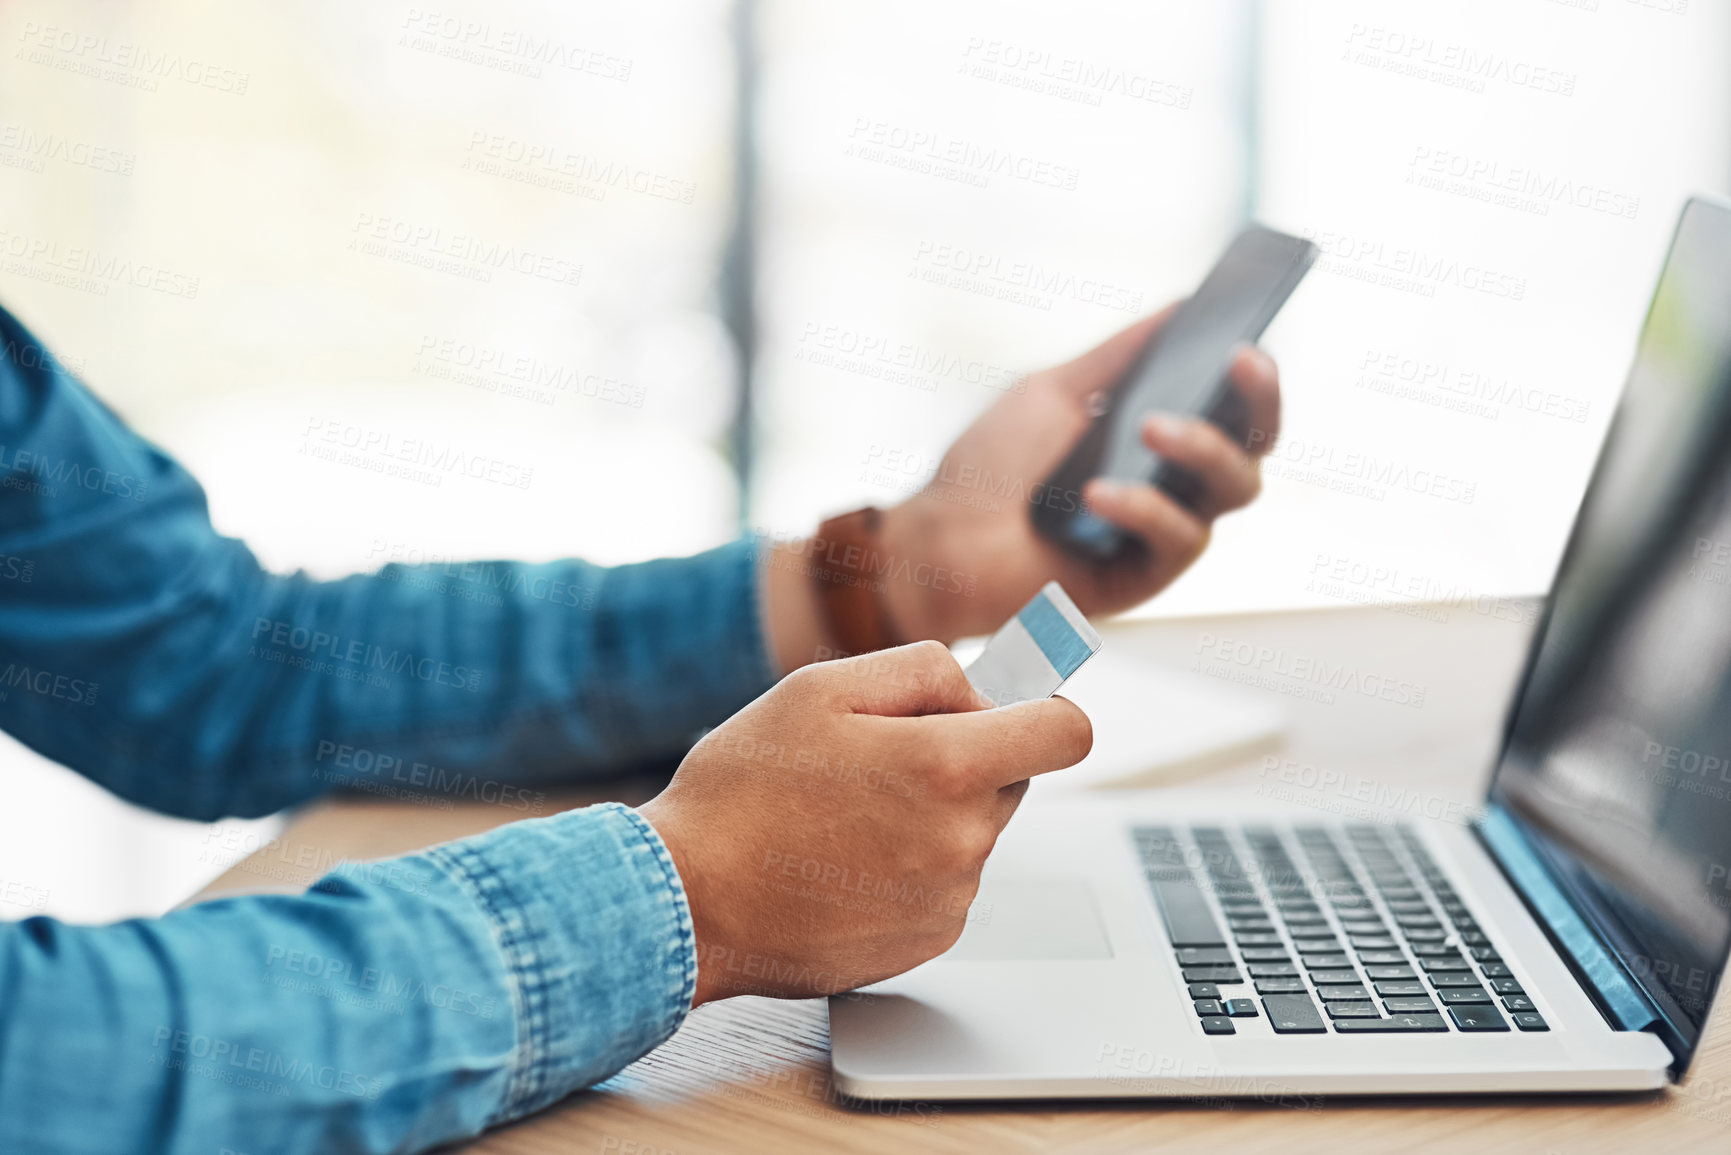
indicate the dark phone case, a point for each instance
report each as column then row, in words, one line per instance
column 1057, row 511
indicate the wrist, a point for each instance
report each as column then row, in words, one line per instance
column 661, row 819
column 909, row 589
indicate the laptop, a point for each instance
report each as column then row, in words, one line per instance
column 1571, row 939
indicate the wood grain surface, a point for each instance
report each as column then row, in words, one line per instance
column 752, row 1075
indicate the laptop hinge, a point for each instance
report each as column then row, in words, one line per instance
column 1622, row 1002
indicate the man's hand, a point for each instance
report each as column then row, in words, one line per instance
column 971, row 523
column 832, row 833
column 958, row 525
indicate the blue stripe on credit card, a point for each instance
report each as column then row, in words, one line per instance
column 1057, row 638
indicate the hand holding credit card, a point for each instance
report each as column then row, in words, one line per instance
column 1036, row 651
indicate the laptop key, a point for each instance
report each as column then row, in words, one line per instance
column 1308, row 947
column 1293, row 1014
column 1478, row 1018
column 1530, row 1021
column 1497, row 971
column 1264, row 954
column 1256, row 938
column 1435, row 950
column 1367, row 942
column 1352, row 1010
column 1485, row 954
column 1270, row 970
column 1409, row 1006
column 1506, row 987
column 1278, row 986
column 1422, row 934
column 1342, row 994
column 1454, row 995
column 1517, row 1003
column 1204, row 991
column 1241, row 1008
column 1327, row 961
column 1400, row 990
column 1392, row 1024
column 1298, row 932
column 1194, row 956
column 1184, row 909
column 1376, row 973
column 1212, row 975
column 1335, row 977
column 1452, row 979
column 1380, row 957
column 1434, row 965
column 1218, row 1025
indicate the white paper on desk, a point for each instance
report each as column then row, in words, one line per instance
column 1155, row 724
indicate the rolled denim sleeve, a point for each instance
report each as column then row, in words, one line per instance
column 157, row 657
column 396, row 1006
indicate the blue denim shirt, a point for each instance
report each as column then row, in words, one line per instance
column 390, row 1008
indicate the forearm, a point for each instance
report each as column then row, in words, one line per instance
column 394, row 1007
column 796, row 623
column 153, row 655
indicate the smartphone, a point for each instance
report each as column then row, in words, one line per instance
column 1182, row 370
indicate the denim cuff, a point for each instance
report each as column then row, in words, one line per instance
column 592, row 924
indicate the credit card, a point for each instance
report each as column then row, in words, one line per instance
column 1036, row 651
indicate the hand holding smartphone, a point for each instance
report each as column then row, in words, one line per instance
column 1181, row 371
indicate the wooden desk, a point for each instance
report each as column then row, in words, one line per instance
column 752, row 1074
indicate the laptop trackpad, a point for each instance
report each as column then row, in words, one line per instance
column 1033, row 919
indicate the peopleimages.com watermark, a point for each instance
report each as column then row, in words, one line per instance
column 1461, row 389
column 459, row 254
column 25, row 678
column 1064, row 77
column 1450, row 64
column 15, row 893
column 31, row 150
column 376, row 771
column 286, row 643
column 505, row 48
column 510, row 373
column 1520, row 187
column 1015, row 282
column 1410, row 594
column 930, row 152
column 123, row 62
column 855, row 565
column 409, row 458
column 1137, row 1067
column 1406, row 269
column 88, row 270
column 1357, row 797
column 869, row 354
column 542, row 164
column 1296, row 674
column 340, row 980
column 241, row 1064
column 44, row 475
column 233, row 846
column 477, row 581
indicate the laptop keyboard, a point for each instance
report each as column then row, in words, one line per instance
column 1364, row 933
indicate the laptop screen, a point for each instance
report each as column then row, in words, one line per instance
column 1618, row 755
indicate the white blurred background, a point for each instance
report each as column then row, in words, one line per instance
column 973, row 189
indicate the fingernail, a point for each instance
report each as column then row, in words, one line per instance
column 1169, row 428
column 1103, row 490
